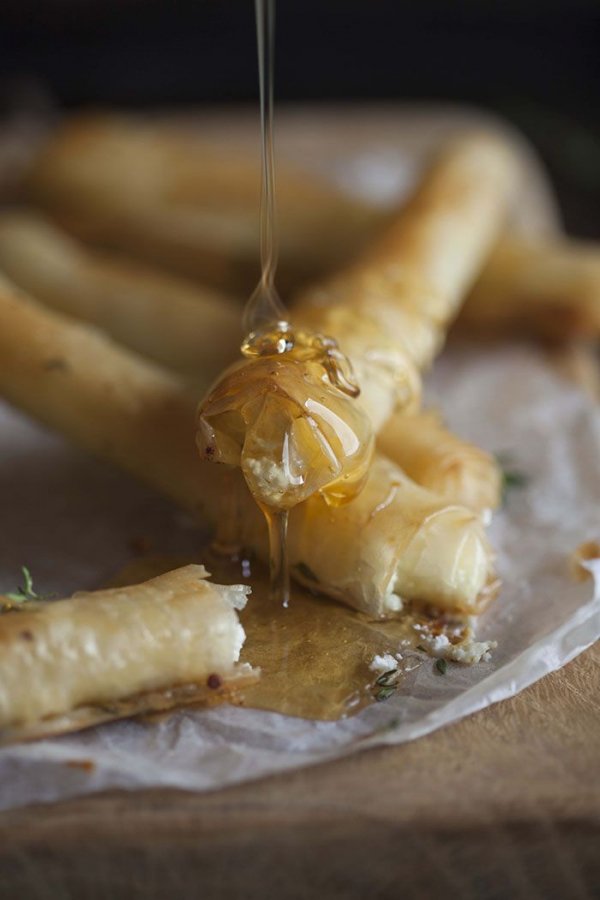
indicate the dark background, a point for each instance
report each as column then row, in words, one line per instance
column 537, row 63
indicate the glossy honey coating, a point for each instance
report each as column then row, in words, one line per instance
column 286, row 415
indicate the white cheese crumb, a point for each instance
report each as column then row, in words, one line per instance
column 277, row 478
column 385, row 662
column 439, row 642
column 467, row 651
column 472, row 652
column 265, row 470
column 393, row 602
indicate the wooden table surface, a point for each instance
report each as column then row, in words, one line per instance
column 505, row 804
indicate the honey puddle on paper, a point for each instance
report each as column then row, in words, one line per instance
column 314, row 656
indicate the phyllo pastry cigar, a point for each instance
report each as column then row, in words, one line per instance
column 395, row 542
column 192, row 329
column 441, row 461
column 164, row 194
column 389, row 310
column 549, row 288
column 104, row 647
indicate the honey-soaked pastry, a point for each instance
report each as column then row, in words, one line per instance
column 286, row 415
column 196, row 332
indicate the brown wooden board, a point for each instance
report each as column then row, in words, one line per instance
column 505, row 804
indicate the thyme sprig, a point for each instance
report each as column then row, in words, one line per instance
column 25, row 591
column 387, row 678
column 387, row 683
column 23, row 596
column 385, row 692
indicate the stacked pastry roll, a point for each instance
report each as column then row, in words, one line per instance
column 395, row 540
column 399, row 540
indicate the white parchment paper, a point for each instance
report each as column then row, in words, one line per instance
column 72, row 520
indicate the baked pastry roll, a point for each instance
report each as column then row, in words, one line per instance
column 106, row 650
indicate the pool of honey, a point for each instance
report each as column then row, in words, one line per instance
column 314, row 655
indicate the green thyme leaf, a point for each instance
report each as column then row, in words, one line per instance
column 24, row 595
column 387, row 678
column 29, row 591
column 442, row 666
column 385, row 692
column 25, row 591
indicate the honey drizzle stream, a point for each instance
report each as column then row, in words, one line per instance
column 265, row 308
column 277, row 523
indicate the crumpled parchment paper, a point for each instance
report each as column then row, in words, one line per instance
column 71, row 519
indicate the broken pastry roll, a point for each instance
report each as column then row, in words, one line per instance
column 103, row 655
column 548, row 288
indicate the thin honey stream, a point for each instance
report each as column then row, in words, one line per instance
column 265, row 307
